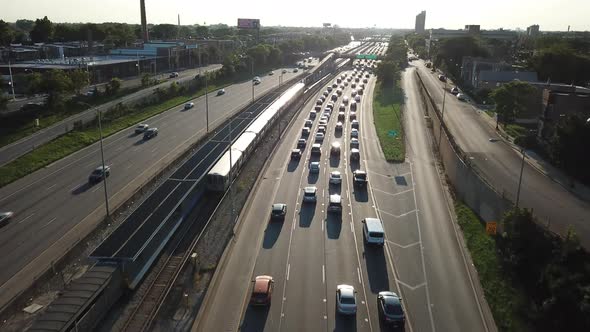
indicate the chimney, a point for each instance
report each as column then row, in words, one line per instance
column 143, row 21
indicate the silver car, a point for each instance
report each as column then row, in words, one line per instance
column 346, row 300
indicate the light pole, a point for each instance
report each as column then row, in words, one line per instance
column 11, row 83
column 442, row 117
column 137, row 65
column 104, row 176
column 520, row 178
column 207, row 102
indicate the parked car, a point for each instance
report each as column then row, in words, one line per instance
column 278, row 211
column 262, row 290
column 99, row 173
column 151, row 132
column 455, row 90
column 461, row 97
column 141, row 128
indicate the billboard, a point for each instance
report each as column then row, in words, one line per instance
column 327, row 25
column 248, row 23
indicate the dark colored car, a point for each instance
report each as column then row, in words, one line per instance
column 296, row 154
column 301, row 143
column 5, row 218
column 151, row 132
column 391, row 310
column 360, row 178
column 262, row 290
column 279, row 211
column 98, row 174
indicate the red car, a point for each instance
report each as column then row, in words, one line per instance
column 262, row 290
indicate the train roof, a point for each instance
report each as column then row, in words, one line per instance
column 222, row 166
column 244, row 141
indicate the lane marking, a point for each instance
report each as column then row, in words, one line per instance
column 97, row 188
column 358, row 273
column 26, row 218
column 324, row 276
column 401, row 215
column 50, row 221
column 49, row 188
column 76, row 187
column 404, row 246
column 413, row 288
column 288, row 271
column 393, row 194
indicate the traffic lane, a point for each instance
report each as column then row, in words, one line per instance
column 552, row 203
column 273, row 256
column 270, row 240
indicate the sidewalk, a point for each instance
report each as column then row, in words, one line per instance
column 533, row 159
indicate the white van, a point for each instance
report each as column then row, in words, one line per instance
column 335, row 204
column 345, row 100
column 373, row 231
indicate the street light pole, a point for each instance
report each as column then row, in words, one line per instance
column 207, row 102
column 252, row 69
column 11, row 79
column 104, row 176
column 442, row 117
column 231, row 192
column 520, row 178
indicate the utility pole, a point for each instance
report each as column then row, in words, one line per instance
column 252, row 70
column 520, row 178
column 104, row 176
column 207, row 102
column 11, row 79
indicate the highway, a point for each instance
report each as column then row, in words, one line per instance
column 26, row 144
column 311, row 252
column 56, row 206
column 500, row 164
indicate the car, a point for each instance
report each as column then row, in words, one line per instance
column 461, row 97
column 357, row 98
column 329, row 107
column 220, row 92
column 354, row 133
column 271, row 73
column 284, row 71
column 442, row 78
column 390, row 309
column 262, row 290
column 312, row 114
column 493, row 139
column 358, row 80
column 345, row 100
column 256, row 80
column 325, row 93
column 322, row 129
column 335, row 85
column 335, row 204
column 99, row 173
column 296, row 154
column 352, row 115
column 319, row 137
column 141, row 128
column 329, row 88
column 361, row 91
column 335, row 149
column 346, row 83
column 308, row 123
column 323, row 121
column 309, row 194
column 188, row 106
column 5, row 218
column 341, row 116
column 295, row 70
column 151, row 132
column 301, row 143
column 334, row 96
column 339, row 126
column 365, row 80
column 455, row 90
column 173, row 75
column 305, row 131
column 359, row 178
column 346, row 300
column 342, row 108
column 353, row 93
column 339, row 92
column 335, row 177
column 354, row 124
column 278, row 211
column 314, row 167
column 316, row 149
column 353, row 85
column 319, row 102
column 355, row 154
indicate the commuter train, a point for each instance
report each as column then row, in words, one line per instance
column 218, row 178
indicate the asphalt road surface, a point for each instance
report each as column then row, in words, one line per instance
column 26, row 144
column 500, row 164
column 311, row 251
column 58, row 199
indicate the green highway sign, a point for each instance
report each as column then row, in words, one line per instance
column 366, row 56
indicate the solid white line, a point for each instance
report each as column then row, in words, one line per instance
column 20, row 222
column 50, row 221
column 49, row 188
column 288, row 271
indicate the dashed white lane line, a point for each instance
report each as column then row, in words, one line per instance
column 324, row 275
column 53, row 185
column 76, row 187
column 26, row 218
column 288, row 271
column 50, row 221
column 358, row 273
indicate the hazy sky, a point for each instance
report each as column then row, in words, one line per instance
column 490, row 14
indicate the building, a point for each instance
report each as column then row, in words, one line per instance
column 420, row 22
column 473, row 29
column 472, row 66
column 533, row 30
column 490, row 79
column 558, row 101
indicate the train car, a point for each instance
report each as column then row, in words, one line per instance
column 218, row 178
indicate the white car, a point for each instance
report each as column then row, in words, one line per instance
column 309, row 194
column 141, row 128
column 335, row 177
column 346, row 300
column 188, row 106
column 461, row 96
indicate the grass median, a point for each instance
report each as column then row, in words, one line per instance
column 75, row 140
column 504, row 300
column 387, row 115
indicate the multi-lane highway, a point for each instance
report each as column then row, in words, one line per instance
column 56, row 206
column 500, row 164
column 312, row 251
column 26, row 144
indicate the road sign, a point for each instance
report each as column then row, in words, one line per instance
column 491, row 227
column 366, row 56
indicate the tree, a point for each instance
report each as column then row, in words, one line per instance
column 388, row 72
column 56, row 83
column 34, row 83
column 42, row 31
column 451, row 51
column 569, row 146
column 202, row 31
column 113, row 86
column 80, row 79
column 511, row 99
column 164, row 31
column 25, row 25
column 213, row 53
column 560, row 63
column 6, row 33
column 145, row 80
column 3, row 100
